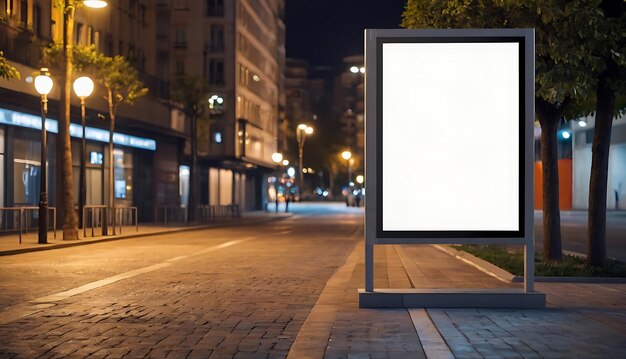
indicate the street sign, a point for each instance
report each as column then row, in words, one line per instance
column 449, row 138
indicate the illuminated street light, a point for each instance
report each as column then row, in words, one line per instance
column 285, row 162
column 346, row 155
column 277, row 157
column 360, row 179
column 354, row 69
column 95, row 4
column 362, row 69
column 301, row 132
column 83, row 87
column 43, row 85
column 582, row 123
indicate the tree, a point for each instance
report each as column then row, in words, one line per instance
column 122, row 86
column 604, row 41
column 6, row 70
column 191, row 91
column 560, row 77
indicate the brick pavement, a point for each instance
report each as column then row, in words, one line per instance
column 243, row 301
column 273, row 294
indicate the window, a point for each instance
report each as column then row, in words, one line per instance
column 180, row 37
column 180, row 67
column 37, row 20
column 216, row 72
column 96, row 40
column 142, row 14
column 215, row 8
column 89, row 34
column 24, row 12
column 217, row 38
column 78, row 29
column 180, row 5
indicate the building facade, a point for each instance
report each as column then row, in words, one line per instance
column 238, row 48
column 148, row 140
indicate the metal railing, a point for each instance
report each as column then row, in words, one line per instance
column 205, row 213
column 170, row 214
column 94, row 216
column 22, row 218
column 125, row 216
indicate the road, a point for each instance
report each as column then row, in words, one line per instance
column 217, row 292
column 574, row 232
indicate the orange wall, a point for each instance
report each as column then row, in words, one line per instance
column 565, row 184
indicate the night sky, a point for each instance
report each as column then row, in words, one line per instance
column 324, row 31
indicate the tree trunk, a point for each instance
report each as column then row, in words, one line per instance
column 65, row 199
column 111, row 200
column 549, row 116
column 596, row 228
column 193, row 173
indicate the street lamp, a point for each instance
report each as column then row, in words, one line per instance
column 277, row 157
column 347, row 155
column 43, row 85
column 83, row 87
column 301, row 132
column 64, row 157
column 95, row 4
column 360, row 179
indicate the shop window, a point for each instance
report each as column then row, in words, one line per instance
column 123, row 175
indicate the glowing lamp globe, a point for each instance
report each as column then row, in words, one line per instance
column 43, row 82
column 83, row 86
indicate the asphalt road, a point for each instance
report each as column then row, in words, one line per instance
column 574, row 232
column 218, row 292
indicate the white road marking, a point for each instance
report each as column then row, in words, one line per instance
column 23, row 310
column 433, row 344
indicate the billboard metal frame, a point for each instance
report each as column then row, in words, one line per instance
column 374, row 233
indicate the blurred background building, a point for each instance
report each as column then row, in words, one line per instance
column 238, row 47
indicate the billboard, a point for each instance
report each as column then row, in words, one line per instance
column 449, row 130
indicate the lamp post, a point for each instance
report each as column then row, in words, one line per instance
column 347, row 155
column 301, row 132
column 83, row 87
column 43, row 85
column 64, row 150
column 277, row 157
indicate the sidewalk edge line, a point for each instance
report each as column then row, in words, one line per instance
column 483, row 266
column 432, row 342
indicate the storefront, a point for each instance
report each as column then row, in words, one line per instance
column 20, row 163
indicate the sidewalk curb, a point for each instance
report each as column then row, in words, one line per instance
column 505, row 276
column 83, row 242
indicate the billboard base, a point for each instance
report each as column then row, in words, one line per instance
column 451, row 298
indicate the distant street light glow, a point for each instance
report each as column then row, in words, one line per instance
column 308, row 130
column 302, row 126
column 360, row 179
column 354, row 69
column 362, row 70
column 285, row 162
column 566, row 134
column 95, row 4
column 582, row 123
column 291, row 171
column 277, row 157
column 346, row 155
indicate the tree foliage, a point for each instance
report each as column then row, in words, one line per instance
column 114, row 73
column 6, row 70
column 561, row 79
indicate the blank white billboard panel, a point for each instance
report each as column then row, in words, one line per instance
column 450, row 136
